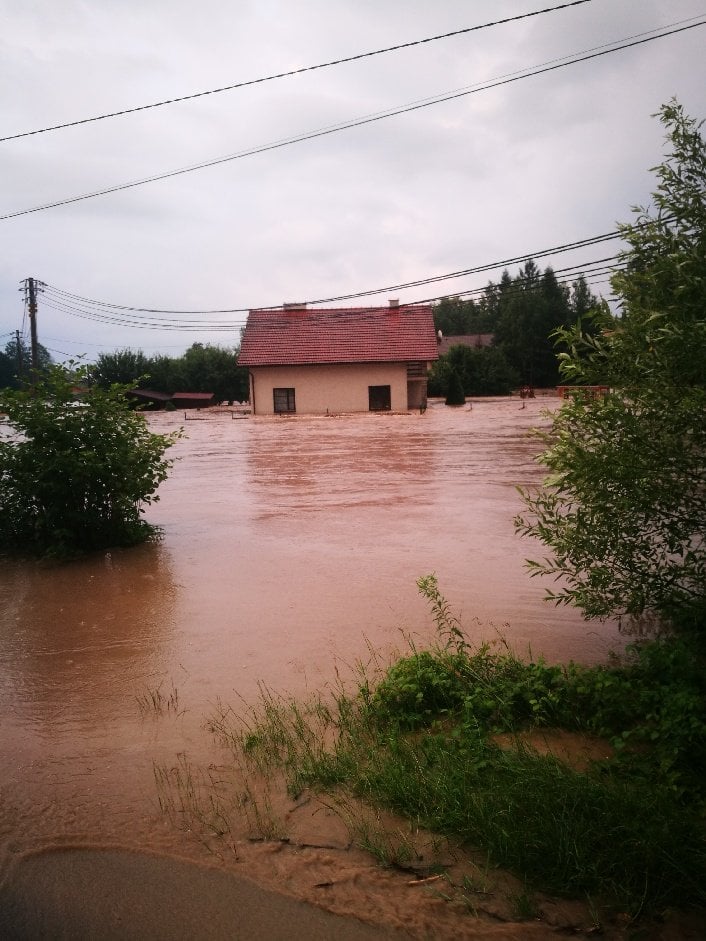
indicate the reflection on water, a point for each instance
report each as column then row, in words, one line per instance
column 71, row 629
column 77, row 640
column 288, row 546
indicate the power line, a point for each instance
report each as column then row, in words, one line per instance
column 360, row 122
column 300, row 71
column 59, row 352
column 588, row 270
column 328, row 315
column 519, row 259
column 571, row 274
column 60, row 296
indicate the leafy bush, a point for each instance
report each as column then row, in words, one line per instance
column 418, row 689
column 75, row 474
column 623, row 510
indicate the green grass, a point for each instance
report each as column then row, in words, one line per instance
column 419, row 740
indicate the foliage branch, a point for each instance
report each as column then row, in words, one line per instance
column 623, row 510
column 75, row 473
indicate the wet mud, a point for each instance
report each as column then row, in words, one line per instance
column 290, row 550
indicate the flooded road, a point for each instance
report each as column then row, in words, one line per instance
column 289, row 546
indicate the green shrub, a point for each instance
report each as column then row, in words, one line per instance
column 455, row 394
column 75, row 474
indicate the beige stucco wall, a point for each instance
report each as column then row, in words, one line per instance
column 334, row 388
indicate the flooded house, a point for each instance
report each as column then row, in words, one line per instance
column 316, row 361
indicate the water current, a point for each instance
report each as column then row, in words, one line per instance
column 290, row 548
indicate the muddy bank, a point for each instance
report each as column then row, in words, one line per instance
column 114, row 895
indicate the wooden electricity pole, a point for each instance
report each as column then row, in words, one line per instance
column 32, row 311
column 18, row 354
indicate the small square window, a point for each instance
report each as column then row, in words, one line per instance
column 284, row 400
column 379, row 398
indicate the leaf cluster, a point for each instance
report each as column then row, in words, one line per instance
column 623, row 510
column 75, row 471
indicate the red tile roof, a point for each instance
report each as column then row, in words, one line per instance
column 297, row 336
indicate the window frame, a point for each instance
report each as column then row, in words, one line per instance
column 284, row 400
column 378, row 393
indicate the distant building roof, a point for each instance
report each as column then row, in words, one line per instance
column 194, row 396
column 297, row 336
column 149, row 394
column 476, row 340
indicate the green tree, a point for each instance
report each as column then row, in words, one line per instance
column 494, row 297
column 16, row 370
column 126, row 367
column 166, row 374
column 75, row 476
column 202, row 368
column 483, row 371
column 530, row 307
column 214, row 369
column 457, row 317
column 582, row 300
column 623, row 512
column 8, row 371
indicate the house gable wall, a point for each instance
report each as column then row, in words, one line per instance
column 332, row 388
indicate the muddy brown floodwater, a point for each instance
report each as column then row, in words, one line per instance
column 290, row 547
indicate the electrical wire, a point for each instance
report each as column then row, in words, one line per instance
column 360, row 122
column 478, row 269
column 57, row 295
column 58, row 352
column 572, row 274
column 300, row 71
column 506, row 293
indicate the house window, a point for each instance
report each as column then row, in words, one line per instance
column 379, row 399
column 284, row 400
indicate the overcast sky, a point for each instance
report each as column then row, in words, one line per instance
column 541, row 162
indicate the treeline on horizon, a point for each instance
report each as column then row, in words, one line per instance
column 521, row 313
column 202, row 368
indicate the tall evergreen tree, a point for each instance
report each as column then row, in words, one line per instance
column 530, row 307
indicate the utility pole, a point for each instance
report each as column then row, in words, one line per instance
column 18, row 354
column 32, row 311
